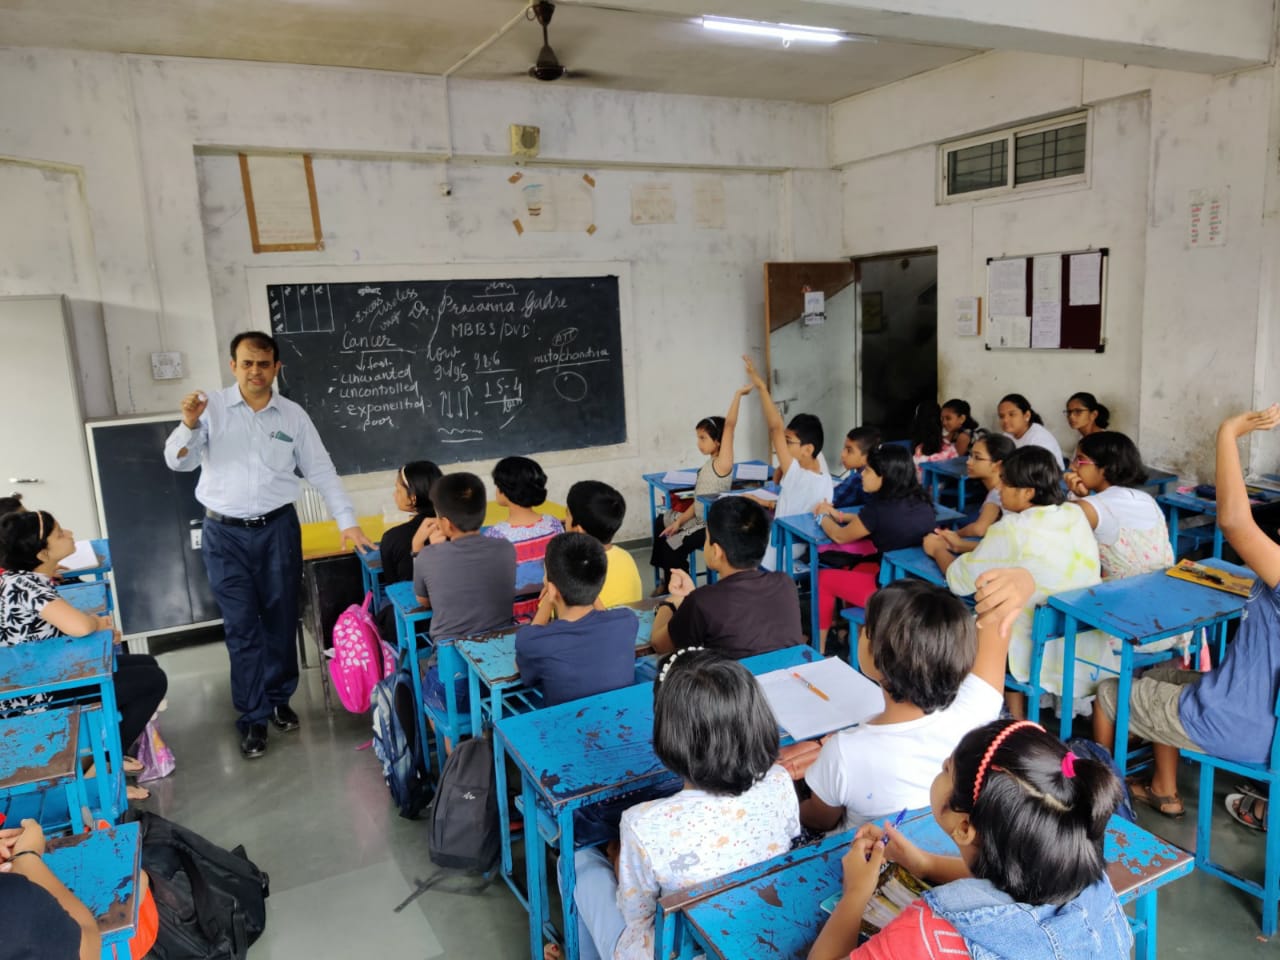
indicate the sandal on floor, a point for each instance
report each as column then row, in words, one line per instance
column 133, row 792
column 1246, row 815
column 1250, row 790
column 133, row 766
column 1141, row 793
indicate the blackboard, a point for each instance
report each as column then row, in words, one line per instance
column 148, row 514
column 452, row 370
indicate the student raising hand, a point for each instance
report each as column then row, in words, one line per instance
column 1001, row 596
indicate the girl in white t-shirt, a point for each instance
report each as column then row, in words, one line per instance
column 713, row 728
column 1132, row 534
column 1025, row 427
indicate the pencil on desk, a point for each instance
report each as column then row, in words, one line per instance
column 810, row 686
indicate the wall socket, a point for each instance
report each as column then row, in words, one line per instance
column 197, row 538
column 166, row 365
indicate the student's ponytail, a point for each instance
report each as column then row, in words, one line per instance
column 1094, row 791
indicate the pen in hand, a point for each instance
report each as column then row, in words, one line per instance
column 897, row 822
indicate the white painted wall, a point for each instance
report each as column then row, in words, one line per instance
column 1181, row 324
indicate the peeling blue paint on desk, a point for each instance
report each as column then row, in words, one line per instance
column 86, row 597
column 55, row 664
column 101, row 869
column 39, row 748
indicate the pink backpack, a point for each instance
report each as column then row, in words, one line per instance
column 360, row 656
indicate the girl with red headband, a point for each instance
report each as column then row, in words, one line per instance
column 1030, row 882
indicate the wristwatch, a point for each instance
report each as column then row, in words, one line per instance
column 668, row 603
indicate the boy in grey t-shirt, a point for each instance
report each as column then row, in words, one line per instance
column 467, row 580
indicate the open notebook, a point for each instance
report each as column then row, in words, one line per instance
column 815, row 699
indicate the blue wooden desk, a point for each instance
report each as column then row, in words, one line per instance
column 99, row 571
column 61, row 664
column 1137, row 611
column 778, row 914
column 805, row 528
column 937, row 473
column 39, row 757
column 1159, row 482
column 371, row 576
column 911, row 562
column 493, row 680
column 102, row 869
column 92, row 598
column 591, row 750
column 1177, row 504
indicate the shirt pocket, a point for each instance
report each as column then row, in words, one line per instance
column 279, row 454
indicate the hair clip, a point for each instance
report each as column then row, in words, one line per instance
column 991, row 751
column 1069, row 765
column 666, row 667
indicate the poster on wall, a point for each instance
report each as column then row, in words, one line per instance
column 553, row 202
column 653, row 203
column 968, row 316
column 280, row 200
column 1207, row 218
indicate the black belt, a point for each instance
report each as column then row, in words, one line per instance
column 261, row 521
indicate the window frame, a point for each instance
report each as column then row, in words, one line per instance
column 1009, row 135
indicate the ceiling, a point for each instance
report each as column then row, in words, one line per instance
column 620, row 49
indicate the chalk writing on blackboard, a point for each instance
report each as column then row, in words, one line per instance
column 451, row 370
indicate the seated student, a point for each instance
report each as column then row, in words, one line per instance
column 803, row 478
column 958, row 426
column 40, row 916
column 898, row 514
column 596, row 509
column 1025, row 427
column 1133, row 535
column 928, row 441
column 413, row 495
column 747, row 610
column 918, row 644
column 1052, row 540
column 31, row 544
column 467, row 580
column 1030, row 819
column 1086, row 415
column 858, row 443
column 521, row 485
column 712, row 727
column 584, row 651
column 986, row 460
column 1228, row 712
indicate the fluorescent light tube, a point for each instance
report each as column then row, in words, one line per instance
column 786, row 32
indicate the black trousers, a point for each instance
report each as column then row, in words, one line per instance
column 665, row 558
column 255, row 573
column 140, row 686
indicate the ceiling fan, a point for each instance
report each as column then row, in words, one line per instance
column 548, row 66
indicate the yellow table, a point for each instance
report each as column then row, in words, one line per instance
column 323, row 539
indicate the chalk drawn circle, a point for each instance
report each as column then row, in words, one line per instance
column 570, row 386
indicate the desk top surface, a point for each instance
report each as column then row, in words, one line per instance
column 656, row 479
column 101, row 869
column 956, row 467
column 805, row 526
column 1150, row 604
column 494, row 658
column 85, row 597
column 101, row 549
column 917, row 563
column 778, row 914
column 603, row 744
column 55, row 663
column 38, row 746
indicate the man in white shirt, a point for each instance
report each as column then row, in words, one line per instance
column 249, row 442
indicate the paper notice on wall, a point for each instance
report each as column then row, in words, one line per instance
column 1046, row 279
column 1046, row 324
column 653, row 203
column 967, row 316
column 1207, row 222
column 708, row 203
column 280, row 195
column 1009, row 332
column 553, row 202
column 815, row 308
column 1007, row 287
column 1086, row 279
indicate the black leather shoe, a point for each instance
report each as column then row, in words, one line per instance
column 284, row 718
column 254, row 742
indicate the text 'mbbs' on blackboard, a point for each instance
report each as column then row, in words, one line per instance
column 451, row 370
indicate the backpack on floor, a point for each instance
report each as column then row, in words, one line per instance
column 395, row 741
column 211, row 902
column 360, row 656
column 464, row 815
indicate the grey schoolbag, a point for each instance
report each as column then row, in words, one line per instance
column 464, row 814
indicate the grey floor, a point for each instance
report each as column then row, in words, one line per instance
column 315, row 814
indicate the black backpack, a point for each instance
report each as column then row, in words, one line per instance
column 464, row 815
column 211, row 901
column 395, row 741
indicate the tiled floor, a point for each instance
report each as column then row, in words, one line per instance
column 315, row 814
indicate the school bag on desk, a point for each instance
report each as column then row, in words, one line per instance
column 395, row 741
column 361, row 658
column 211, row 902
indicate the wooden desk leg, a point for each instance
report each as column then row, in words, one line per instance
column 568, row 882
column 535, row 866
column 1145, row 910
column 1121, row 750
column 1068, row 677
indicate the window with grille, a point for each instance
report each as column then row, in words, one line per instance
column 1018, row 157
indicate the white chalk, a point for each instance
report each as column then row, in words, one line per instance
column 202, row 398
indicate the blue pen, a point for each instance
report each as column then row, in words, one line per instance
column 897, row 822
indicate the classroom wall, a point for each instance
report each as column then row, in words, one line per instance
column 1182, row 323
column 131, row 129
